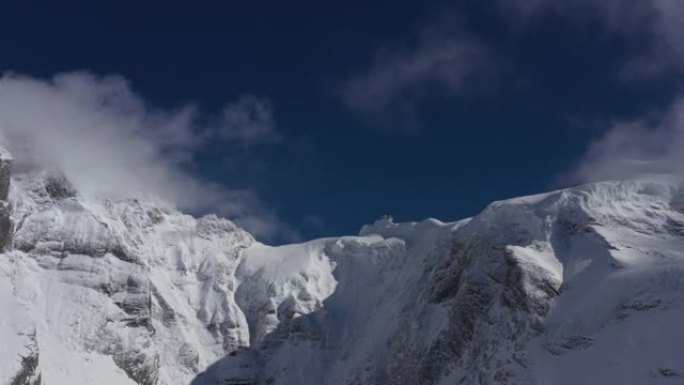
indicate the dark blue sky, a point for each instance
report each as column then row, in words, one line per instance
column 549, row 85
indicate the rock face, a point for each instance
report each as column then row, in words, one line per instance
column 580, row 286
column 116, row 291
column 5, row 208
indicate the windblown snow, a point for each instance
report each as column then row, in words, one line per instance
column 578, row 286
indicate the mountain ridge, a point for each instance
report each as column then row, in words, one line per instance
column 555, row 288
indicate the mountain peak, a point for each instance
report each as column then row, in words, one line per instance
column 132, row 291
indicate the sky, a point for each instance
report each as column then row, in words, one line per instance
column 309, row 119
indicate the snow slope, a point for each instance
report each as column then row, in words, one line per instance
column 578, row 286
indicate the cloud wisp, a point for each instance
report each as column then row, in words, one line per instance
column 249, row 120
column 655, row 32
column 632, row 149
column 446, row 55
column 396, row 74
column 106, row 138
column 442, row 55
column 658, row 22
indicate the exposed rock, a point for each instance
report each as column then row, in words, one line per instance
column 5, row 174
column 5, row 206
column 29, row 373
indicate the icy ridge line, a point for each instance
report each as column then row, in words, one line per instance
column 576, row 286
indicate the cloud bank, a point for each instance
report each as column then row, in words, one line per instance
column 107, row 139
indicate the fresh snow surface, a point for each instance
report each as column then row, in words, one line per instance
column 577, row 286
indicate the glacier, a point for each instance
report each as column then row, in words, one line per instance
column 578, row 286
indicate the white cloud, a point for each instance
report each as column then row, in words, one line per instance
column 106, row 138
column 651, row 145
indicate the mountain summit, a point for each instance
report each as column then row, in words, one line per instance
column 577, row 286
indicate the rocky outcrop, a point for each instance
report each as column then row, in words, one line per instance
column 483, row 286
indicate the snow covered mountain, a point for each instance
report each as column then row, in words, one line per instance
column 579, row 286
